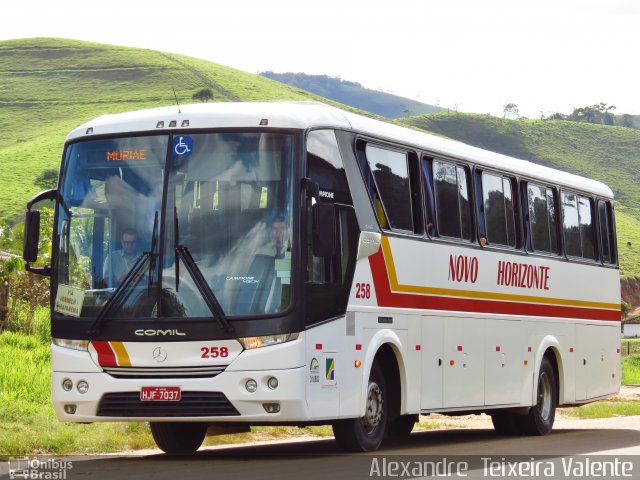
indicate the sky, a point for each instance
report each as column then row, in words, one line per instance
column 545, row 56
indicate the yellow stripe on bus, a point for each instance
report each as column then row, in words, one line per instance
column 450, row 292
column 121, row 353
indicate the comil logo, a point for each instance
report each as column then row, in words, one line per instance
column 159, row 333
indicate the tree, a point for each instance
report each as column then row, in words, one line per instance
column 204, row 95
column 510, row 109
column 557, row 116
column 29, row 289
column 627, row 121
column 600, row 113
column 47, row 179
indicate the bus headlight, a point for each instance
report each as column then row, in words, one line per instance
column 251, row 385
column 83, row 387
column 81, row 345
column 250, row 343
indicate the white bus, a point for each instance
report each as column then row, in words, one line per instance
column 237, row 264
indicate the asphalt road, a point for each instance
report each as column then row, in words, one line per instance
column 619, row 438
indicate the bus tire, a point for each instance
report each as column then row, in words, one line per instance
column 366, row 434
column 402, row 425
column 178, row 437
column 506, row 424
column 540, row 419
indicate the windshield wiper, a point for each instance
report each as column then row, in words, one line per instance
column 134, row 275
column 153, row 256
column 183, row 253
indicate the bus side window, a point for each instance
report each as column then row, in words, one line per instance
column 578, row 226
column 429, row 200
column 386, row 174
column 607, row 237
column 452, row 200
column 499, row 212
column 543, row 218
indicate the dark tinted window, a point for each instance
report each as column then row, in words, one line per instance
column 329, row 277
column 607, row 238
column 604, row 232
column 391, row 177
column 324, row 166
column 542, row 218
column 497, row 196
column 578, row 225
column 451, row 191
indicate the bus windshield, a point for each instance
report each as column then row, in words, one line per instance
column 205, row 217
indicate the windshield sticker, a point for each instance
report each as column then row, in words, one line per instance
column 283, row 269
column 125, row 155
column 183, row 145
column 69, row 300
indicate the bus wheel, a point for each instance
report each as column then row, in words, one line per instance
column 505, row 423
column 540, row 419
column 178, row 437
column 402, row 426
column 365, row 434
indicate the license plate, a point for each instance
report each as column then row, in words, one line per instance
column 160, row 394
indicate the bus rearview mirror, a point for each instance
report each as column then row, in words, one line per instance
column 31, row 236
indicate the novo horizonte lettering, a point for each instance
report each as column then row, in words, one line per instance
column 523, row 275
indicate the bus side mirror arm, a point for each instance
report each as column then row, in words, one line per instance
column 312, row 188
column 31, row 237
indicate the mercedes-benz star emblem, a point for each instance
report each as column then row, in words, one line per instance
column 159, row 354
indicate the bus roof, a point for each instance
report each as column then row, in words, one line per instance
column 303, row 115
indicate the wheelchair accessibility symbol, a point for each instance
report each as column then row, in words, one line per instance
column 183, row 145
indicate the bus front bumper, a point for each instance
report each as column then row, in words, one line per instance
column 223, row 398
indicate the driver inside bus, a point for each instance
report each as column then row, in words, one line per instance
column 280, row 243
column 119, row 262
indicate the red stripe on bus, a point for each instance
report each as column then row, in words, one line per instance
column 388, row 298
column 106, row 355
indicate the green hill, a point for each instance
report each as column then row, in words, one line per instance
column 605, row 153
column 352, row 93
column 49, row 86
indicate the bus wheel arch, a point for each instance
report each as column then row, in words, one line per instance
column 550, row 348
column 365, row 434
column 382, row 403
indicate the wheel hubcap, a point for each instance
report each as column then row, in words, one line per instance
column 373, row 415
column 544, row 396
